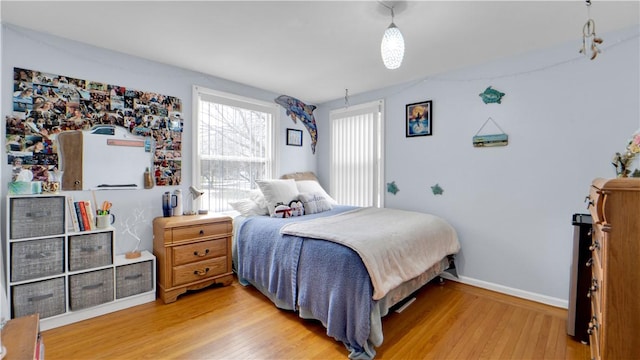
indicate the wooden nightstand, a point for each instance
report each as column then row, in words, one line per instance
column 193, row 252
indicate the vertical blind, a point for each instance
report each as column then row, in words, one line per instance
column 356, row 155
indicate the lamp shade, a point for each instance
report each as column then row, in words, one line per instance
column 392, row 47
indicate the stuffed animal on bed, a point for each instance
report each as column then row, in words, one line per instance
column 282, row 211
column 297, row 209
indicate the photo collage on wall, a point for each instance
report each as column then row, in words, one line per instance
column 46, row 104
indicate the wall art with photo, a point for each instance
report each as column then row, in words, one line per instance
column 46, row 104
column 419, row 119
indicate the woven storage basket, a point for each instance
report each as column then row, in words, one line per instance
column 134, row 279
column 36, row 216
column 37, row 258
column 90, row 289
column 90, row 250
column 43, row 297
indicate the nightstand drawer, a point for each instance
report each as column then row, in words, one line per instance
column 90, row 289
column 90, row 250
column 43, row 297
column 37, row 258
column 199, row 271
column 196, row 232
column 185, row 254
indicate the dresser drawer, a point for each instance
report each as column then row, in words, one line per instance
column 199, row 271
column 90, row 250
column 43, row 297
column 595, row 205
column 598, row 242
column 134, row 279
column 596, row 281
column 37, row 258
column 594, row 343
column 36, row 216
column 90, row 289
column 198, row 232
column 184, row 254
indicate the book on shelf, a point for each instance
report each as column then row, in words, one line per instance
column 72, row 214
column 85, row 216
column 90, row 213
column 76, row 205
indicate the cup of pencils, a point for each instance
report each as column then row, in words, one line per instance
column 104, row 217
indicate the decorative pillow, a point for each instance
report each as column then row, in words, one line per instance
column 310, row 186
column 247, row 207
column 278, row 191
column 314, row 203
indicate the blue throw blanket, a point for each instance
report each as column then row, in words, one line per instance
column 319, row 278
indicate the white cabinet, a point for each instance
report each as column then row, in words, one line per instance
column 67, row 276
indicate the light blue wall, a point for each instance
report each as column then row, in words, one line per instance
column 512, row 205
column 565, row 116
column 38, row 51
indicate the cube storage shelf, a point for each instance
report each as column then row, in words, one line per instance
column 67, row 276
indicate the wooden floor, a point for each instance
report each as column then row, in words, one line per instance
column 450, row 321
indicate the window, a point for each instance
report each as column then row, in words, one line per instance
column 356, row 155
column 234, row 146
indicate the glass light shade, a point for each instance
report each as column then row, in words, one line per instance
column 392, row 47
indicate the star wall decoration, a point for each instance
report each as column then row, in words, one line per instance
column 437, row 190
column 392, row 188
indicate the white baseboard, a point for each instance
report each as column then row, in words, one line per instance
column 548, row 300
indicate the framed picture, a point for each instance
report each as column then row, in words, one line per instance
column 294, row 137
column 419, row 119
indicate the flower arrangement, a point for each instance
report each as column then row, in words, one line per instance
column 622, row 161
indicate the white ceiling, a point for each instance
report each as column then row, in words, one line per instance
column 314, row 50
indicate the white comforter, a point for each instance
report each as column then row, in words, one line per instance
column 395, row 245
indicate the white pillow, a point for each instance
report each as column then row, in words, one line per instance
column 247, row 207
column 257, row 196
column 314, row 203
column 310, row 186
column 278, row 191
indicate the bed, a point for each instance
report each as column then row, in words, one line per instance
column 344, row 266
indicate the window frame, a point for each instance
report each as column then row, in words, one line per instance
column 230, row 99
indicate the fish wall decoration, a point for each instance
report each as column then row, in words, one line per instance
column 296, row 109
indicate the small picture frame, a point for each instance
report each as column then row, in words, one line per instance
column 294, row 137
column 419, row 119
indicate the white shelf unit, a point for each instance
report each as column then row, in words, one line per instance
column 64, row 275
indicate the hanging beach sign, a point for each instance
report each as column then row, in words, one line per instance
column 489, row 140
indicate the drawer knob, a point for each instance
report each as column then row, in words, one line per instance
column 197, row 253
column 593, row 325
column 589, row 202
column 595, row 245
column 589, row 262
column 201, row 232
column 593, row 288
column 201, row 272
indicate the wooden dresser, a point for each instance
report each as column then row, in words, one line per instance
column 193, row 252
column 614, row 328
column 21, row 338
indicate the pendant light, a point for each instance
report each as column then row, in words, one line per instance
column 392, row 46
